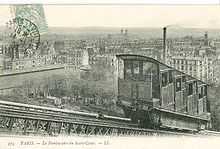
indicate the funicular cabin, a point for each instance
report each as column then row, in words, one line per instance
column 156, row 95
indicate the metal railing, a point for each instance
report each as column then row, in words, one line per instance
column 24, row 119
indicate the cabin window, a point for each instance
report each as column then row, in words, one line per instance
column 208, row 106
column 170, row 76
column 196, row 86
column 190, row 91
column 205, row 90
column 178, row 84
column 136, row 69
column 139, row 70
column 149, row 70
column 164, row 79
column 128, row 69
column 121, row 69
column 200, row 92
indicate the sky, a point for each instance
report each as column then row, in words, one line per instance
column 192, row 16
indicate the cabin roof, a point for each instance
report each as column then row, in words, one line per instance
column 141, row 57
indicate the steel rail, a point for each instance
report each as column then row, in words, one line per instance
column 54, row 116
column 80, row 122
column 91, row 122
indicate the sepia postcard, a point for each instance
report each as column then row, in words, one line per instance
column 109, row 76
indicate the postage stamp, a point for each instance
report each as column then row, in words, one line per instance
column 24, row 35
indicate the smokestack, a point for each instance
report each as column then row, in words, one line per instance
column 164, row 43
column 206, row 41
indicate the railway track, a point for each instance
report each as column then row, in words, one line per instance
column 26, row 119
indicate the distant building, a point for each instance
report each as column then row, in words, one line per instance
column 12, row 60
column 27, row 63
column 102, row 60
column 198, row 67
column 122, row 31
column 196, row 57
column 59, row 45
column 126, row 32
column 215, row 43
column 77, row 58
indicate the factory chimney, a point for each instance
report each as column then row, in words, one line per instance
column 164, row 44
column 206, row 41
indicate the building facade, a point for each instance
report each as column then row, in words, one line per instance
column 202, row 68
